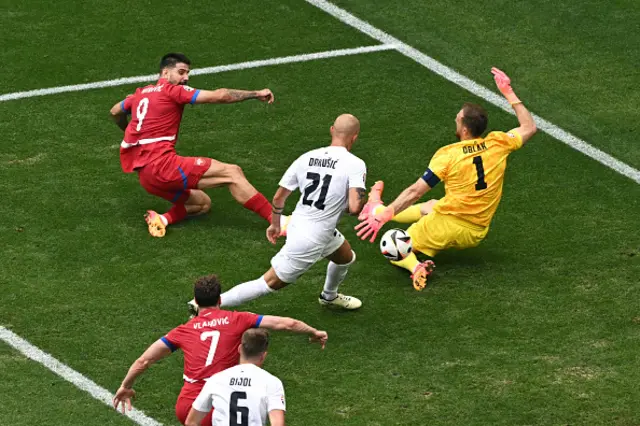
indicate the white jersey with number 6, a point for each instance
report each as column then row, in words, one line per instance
column 324, row 177
column 241, row 396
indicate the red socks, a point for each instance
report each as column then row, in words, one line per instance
column 176, row 213
column 260, row 205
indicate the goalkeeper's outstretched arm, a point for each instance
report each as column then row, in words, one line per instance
column 527, row 124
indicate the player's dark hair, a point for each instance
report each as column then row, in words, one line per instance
column 475, row 119
column 255, row 341
column 170, row 60
column 207, row 291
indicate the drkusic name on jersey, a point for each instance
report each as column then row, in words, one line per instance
column 212, row 323
column 240, row 381
column 323, row 162
column 470, row 149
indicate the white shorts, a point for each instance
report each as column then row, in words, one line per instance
column 299, row 254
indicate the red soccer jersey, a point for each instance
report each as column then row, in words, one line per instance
column 210, row 341
column 156, row 112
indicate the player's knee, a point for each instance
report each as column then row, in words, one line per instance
column 353, row 258
column 348, row 259
column 206, row 206
column 236, row 172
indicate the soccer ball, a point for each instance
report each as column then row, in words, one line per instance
column 395, row 244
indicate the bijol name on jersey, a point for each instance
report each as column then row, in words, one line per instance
column 240, row 381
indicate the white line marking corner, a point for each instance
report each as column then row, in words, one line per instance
column 198, row 71
column 70, row 375
column 475, row 88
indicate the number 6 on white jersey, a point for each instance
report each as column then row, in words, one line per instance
column 215, row 337
column 141, row 112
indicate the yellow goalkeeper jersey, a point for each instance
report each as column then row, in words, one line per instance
column 473, row 173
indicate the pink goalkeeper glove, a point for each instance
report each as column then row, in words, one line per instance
column 371, row 226
column 504, row 85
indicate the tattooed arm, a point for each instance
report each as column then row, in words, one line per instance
column 230, row 96
column 357, row 200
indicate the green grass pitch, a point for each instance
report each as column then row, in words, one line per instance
column 539, row 325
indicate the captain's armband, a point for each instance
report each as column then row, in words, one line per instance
column 430, row 178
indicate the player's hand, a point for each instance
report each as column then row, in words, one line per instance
column 504, row 85
column 502, row 81
column 123, row 397
column 371, row 225
column 273, row 232
column 265, row 95
column 319, row 337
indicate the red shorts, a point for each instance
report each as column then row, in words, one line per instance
column 188, row 394
column 172, row 176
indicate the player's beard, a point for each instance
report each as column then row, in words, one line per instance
column 458, row 135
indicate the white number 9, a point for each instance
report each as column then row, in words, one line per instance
column 141, row 112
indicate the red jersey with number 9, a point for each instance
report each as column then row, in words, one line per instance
column 210, row 341
column 156, row 112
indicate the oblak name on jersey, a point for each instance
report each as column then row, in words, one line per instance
column 471, row 149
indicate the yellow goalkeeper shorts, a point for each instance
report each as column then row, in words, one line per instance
column 436, row 232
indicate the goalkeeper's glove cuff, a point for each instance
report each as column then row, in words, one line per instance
column 388, row 213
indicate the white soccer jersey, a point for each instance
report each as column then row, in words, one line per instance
column 241, row 395
column 324, row 177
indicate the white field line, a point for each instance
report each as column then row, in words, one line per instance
column 197, row 71
column 475, row 88
column 70, row 375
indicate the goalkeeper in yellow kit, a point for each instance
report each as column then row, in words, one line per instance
column 472, row 171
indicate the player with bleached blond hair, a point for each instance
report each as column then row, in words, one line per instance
column 331, row 181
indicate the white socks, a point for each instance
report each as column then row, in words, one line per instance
column 335, row 275
column 251, row 290
column 245, row 292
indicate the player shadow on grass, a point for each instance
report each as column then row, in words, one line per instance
column 479, row 257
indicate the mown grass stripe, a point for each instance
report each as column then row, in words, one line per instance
column 475, row 88
column 70, row 375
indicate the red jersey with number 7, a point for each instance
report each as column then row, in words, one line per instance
column 156, row 112
column 210, row 341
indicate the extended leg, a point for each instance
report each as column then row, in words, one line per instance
column 196, row 203
column 245, row 292
column 420, row 271
column 231, row 176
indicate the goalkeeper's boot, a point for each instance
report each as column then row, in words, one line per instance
column 193, row 308
column 284, row 223
column 375, row 200
column 421, row 273
column 341, row 301
column 157, row 228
